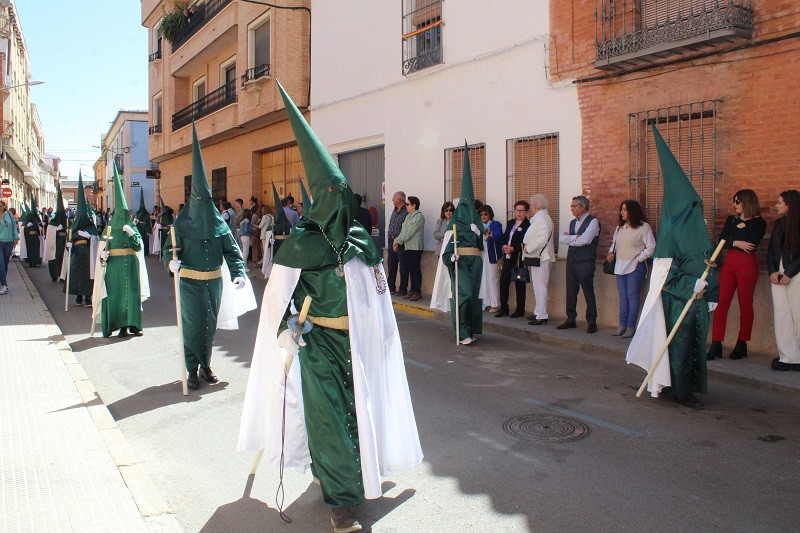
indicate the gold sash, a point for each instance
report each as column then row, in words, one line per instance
column 468, row 251
column 188, row 273
column 339, row 322
column 121, row 251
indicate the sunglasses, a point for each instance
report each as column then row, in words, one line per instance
column 448, row 210
column 737, row 201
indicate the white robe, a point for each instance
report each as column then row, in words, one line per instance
column 155, row 241
column 387, row 430
column 651, row 333
column 442, row 291
column 50, row 244
column 23, row 248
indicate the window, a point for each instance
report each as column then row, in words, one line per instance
column 187, row 187
column 199, row 89
column 532, row 164
column 258, row 46
column 219, row 184
column 422, row 34
column 157, row 112
column 227, row 76
column 690, row 131
column 453, row 163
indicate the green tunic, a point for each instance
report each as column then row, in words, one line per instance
column 328, row 394
column 80, row 282
column 143, row 227
column 32, row 244
column 470, row 272
column 122, row 307
column 200, row 299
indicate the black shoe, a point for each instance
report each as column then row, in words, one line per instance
column 740, row 350
column 516, row 314
column 136, row 331
column 401, row 293
column 54, row 279
column 208, row 375
column 538, row 322
column 501, row 314
column 691, row 402
column 79, row 300
column 123, row 332
column 715, row 351
column 531, row 317
column 193, row 382
column 592, row 328
column 567, row 324
column 392, row 291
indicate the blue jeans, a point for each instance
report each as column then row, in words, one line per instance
column 629, row 287
column 6, row 249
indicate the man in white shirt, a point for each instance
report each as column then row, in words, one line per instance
column 581, row 235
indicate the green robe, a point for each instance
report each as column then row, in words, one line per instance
column 54, row 265
column 80, row 282
column 328, row 394
column 122, row 307
column 143, row 226
column 470, row 272
column 32, row 243
column 200, row 299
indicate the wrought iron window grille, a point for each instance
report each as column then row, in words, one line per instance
column 255, row 73
column 154, row 56
column 216, row 99
column 422, row 34
column 197, row 20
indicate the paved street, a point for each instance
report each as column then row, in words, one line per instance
column 641, row 464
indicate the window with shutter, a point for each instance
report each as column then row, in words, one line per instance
column 219, row 184
column 422, row 34
column 454, row 161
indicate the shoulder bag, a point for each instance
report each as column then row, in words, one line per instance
column 520, row 273
column 537, row 261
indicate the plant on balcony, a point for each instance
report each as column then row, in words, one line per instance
column 172, row 23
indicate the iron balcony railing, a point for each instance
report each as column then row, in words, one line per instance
column 631, row 32
column 254, row 73
column 197, row 20
column 206, row 105
column 155, row 55
column 154, row 129
column 424, row 60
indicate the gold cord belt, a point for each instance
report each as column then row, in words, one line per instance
column 469, row 251
column 121, row 251
column 34, row 232
column 339, row 322
column 188, row 273
column 61, row 233
column 81, row 241
column 279, row 237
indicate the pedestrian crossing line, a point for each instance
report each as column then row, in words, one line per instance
column 586, row 418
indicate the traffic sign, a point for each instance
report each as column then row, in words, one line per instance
column 6, row 192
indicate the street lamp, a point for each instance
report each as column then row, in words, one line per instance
column 32, row 82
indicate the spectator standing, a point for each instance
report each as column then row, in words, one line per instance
column 265, row 234
column 363, row 215
column 412, row 238
column 742, row 233
column 512, row 256
column 538, row 243
column 245, row 236
column 291, row 214
column 255, row 239
column 395, row 257
column 632, row 245
column 783, row 265
column 493, row 234
column 9, row 237
column 442, row 224
column 238, row 206
column 581, row 236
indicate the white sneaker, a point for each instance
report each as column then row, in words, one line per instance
column 3, row 289
column 468, row 340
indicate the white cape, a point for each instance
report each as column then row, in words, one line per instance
column 94, row 243
column 235, row 302
column 266, row 265
column 387, row 430
column 651, row 333
column 50, row 244
column 442, row 291
column 23, row 248
column 155, row 241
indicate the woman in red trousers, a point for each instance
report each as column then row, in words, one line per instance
column 742, row 233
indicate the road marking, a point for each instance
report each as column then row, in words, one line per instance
column 586, row 418
column 417, row 363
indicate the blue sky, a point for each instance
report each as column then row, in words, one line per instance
column 92, row 55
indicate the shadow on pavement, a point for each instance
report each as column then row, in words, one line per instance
column 159, row 396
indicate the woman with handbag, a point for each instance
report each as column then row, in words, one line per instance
column 632, row 245
column 539, row 254
column 512, row 261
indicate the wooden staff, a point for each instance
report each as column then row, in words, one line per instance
column 69, row 266
column 177, row 277
column 455, row 291
column 709, row 265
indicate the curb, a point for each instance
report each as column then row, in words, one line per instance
column 594, row 349
column 154, row 509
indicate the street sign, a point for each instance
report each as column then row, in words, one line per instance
column 6, row 192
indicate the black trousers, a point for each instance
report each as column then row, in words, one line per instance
column 505, row 281
column 413, row 259
column 580, row 275
column 395, row 260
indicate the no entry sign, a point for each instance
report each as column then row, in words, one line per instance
column 6, row 192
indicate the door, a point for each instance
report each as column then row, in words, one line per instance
column 364, row 170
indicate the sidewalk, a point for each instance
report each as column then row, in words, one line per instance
column 753, row 371
column 64, row 464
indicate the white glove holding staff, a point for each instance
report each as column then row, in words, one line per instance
column 84, row 234
column 127, row 229
column 239, row 283
column 475, row 229
column 175, row 266
column 287, row 342
column 700, row 285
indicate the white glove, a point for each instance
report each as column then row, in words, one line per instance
column 105, row 254
column 454, row 258
column 712, row 306
column 700, row 285
column 69, row 245
column 127, row 229
column 475, row 229
column 287, row 342
column 29, row 224
column 84, row 234
column 60, row 227
column 238, row 283
column 135, row 220
column 175, row 266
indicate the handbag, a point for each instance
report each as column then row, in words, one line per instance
column 536, row 261
column 608, row 266
column 519, row 273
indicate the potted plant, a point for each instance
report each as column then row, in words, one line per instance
column 172, row 23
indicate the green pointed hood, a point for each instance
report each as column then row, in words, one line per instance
column 682, row 231
column 83, row 220
column 33, row 214
column 328, row 233
column 465, row 213
column 200, row 219
column 122, row 215
column 165, row 219
column 23, row 211
column 61, row 216
column 142, row 213
column 305, row 198
column 281, row 224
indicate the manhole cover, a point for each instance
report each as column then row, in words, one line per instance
column 545, row 428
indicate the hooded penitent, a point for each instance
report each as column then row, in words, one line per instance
column 81, row 254
column 143, row 222
column 680, row 254
column 165, row 221
column 122, row 306
column 31, row 226
column 56, row 238
column 204, row 241
column 470, row 262
column 353, row 348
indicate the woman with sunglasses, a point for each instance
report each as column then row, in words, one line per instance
column 411, row 238
column 441, row 225
column 783, row 265
column 742, row 232
column 9, row 237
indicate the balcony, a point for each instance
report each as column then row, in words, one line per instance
column 198, row 19
column 155, row 56
column 629, row 33
column 211, row 102
column 255, row 73
column 152, row 130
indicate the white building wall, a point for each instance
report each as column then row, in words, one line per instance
column 492, row 86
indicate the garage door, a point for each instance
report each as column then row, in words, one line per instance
column 365, row 172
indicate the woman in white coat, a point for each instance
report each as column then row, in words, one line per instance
column 538, row 243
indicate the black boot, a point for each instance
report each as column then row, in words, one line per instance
column 740, row 350
column 208, row 375
column 715, row 351
column 123, row 332
column 135, row 331
column 691, row 402
column 193, row 382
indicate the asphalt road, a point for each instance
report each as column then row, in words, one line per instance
column 641, row 464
